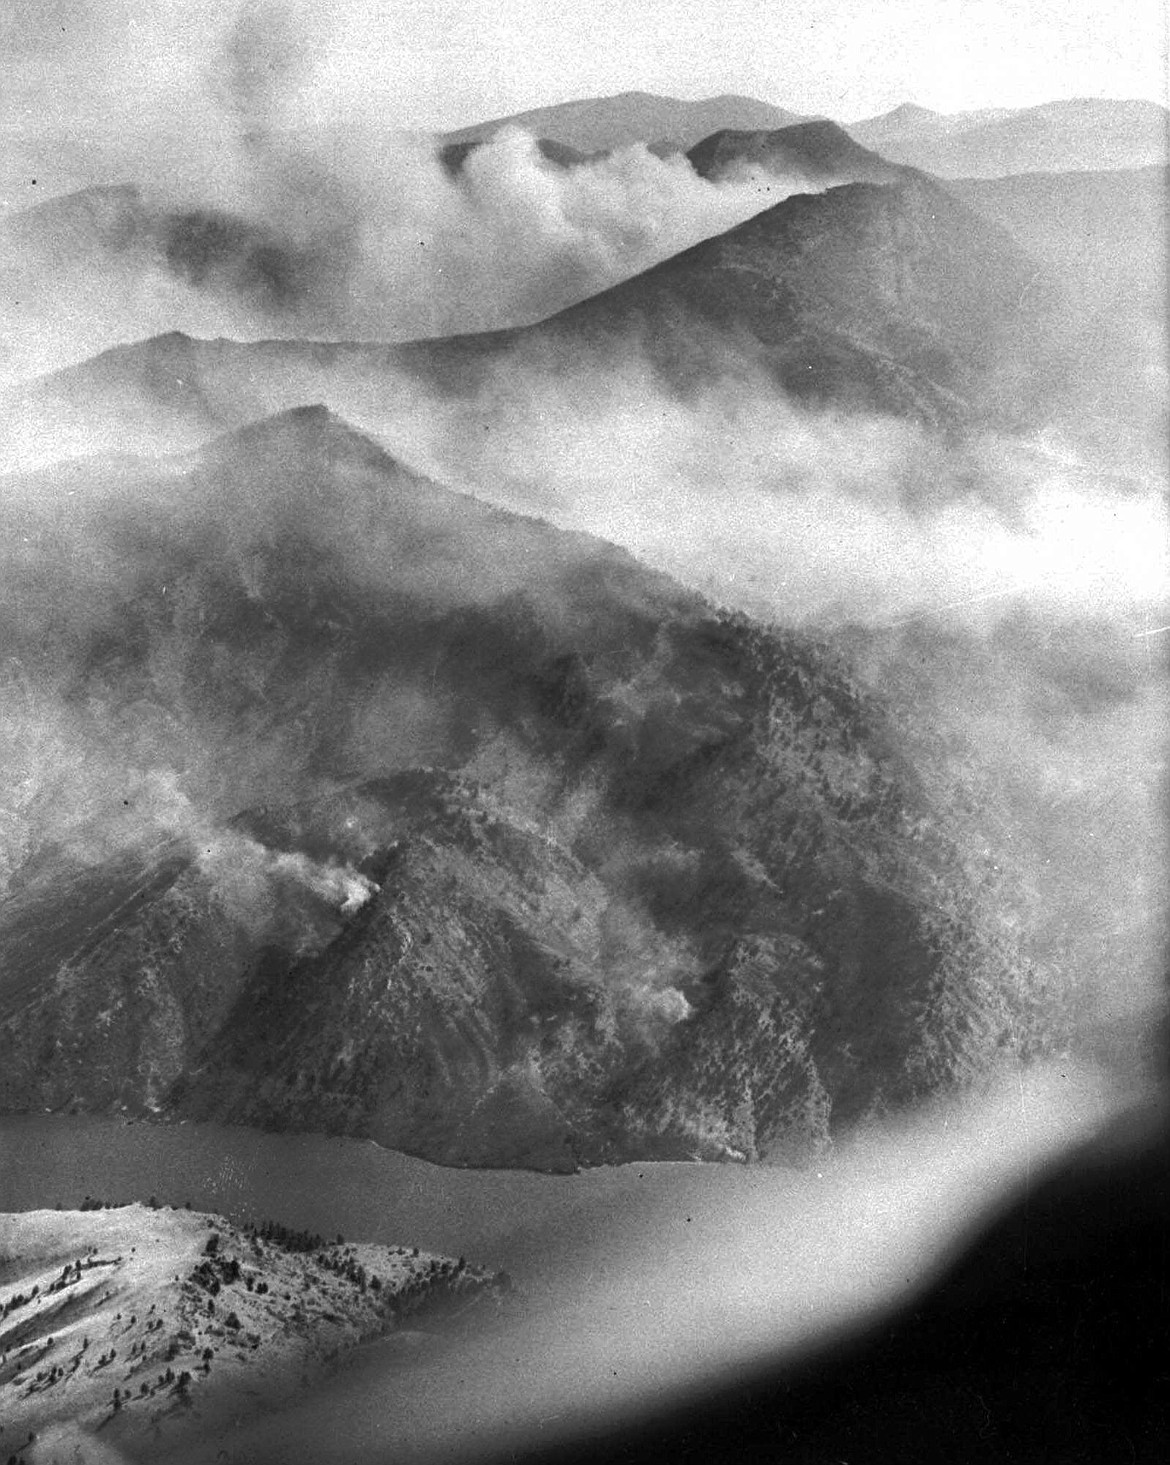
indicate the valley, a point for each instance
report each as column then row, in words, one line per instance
column 727, row 1265
column 583, row 693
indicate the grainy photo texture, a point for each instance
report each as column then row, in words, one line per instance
column 584, row 610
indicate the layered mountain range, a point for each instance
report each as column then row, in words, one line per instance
column 598, row 124
column 344, row 801
column 1001, row 302
column 349, row 787
column 491, row 844
column 892, row 298
column 1066, row 136
column 1075, row 134
column 888, row 298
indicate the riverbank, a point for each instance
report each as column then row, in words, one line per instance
column 638, row 1281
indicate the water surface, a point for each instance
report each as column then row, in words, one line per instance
column 637, row 1282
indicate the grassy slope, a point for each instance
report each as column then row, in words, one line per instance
column 149, row 1305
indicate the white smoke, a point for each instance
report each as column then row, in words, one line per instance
column 797, row 515
column 243, row 870
column 344, row 234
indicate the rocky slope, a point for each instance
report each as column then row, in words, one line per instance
column 397, row 815
column 138, row 1328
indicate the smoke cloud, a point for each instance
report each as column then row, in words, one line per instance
column 307, row 237
column 1012, row 593
column 1013, row 597
column 1010, row 596
column 796, row 515
column 241, row 202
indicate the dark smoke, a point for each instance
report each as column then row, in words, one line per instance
column 227, row 255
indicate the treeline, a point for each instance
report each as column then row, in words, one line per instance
column 286, row 1237
column 92, row 1203
column 346, row 1266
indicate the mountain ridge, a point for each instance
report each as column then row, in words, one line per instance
column 819, row 150
column 1070, row 134
column 494, row 845
column 594, row 124
column 150, row 1323
column 884, row 297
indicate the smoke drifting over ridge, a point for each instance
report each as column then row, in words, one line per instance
column 802, row 516
column 1012, row 596
column 297, row 239
column 252, row 207
column 1002, row 595
column 264, row 208
column 177, row 632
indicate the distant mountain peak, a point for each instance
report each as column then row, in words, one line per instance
column 818, row 150
column 315, row 415
column 125, row 193
column 728, row 97
column 110, row 214
column 599, row 124
column 316, row 431
column 911, row 111
column 1074, row 134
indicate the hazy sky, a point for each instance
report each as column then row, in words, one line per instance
column 441, row 63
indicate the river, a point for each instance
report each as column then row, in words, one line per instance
column 637, row 1281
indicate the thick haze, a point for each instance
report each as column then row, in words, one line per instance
column 1012, row 596
column 347, row 237
column 443, row 63
column 258, row 212
column 1049, row 577
column 1014, row 600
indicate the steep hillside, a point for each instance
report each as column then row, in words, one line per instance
column 891, row 298
column 404, row 817
column 147, row 1326
column 597, row 124
column 1103, row 236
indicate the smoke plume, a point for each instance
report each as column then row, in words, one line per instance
column 241, row 203
column 1013, row 594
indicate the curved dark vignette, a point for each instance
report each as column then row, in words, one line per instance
column 1047, row 1340
column 581, row 702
